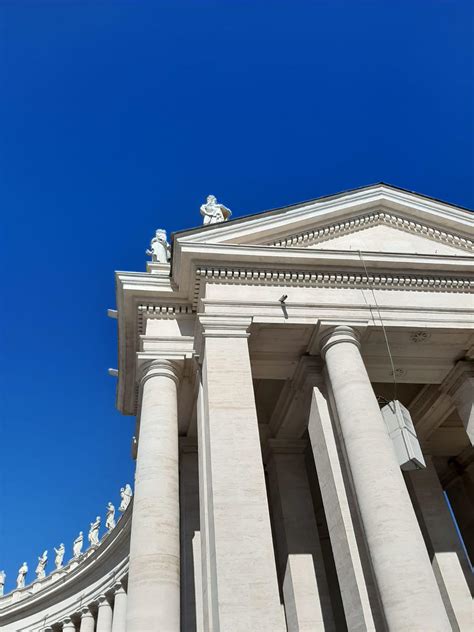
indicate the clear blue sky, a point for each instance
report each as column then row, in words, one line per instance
column 120, row 117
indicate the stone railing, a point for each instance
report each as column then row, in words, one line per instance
column 90, row 589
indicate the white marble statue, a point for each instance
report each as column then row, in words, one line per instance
column 77, row 545
column 94, row 532
column 159, row 247
column 2, row 582
column 213, row 212
column 110, row 519
column 58, row 560
column 126, row 496
column 40, row 569
column 20, row 580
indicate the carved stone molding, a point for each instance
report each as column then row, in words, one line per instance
column 333, row 280
column 309, row 238
column 165, row 310
column 225, row 327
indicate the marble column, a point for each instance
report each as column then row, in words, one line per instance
column 153, row 580
column 305, row 589
column 119, row 618
column 240, row 585
column 104, row 615
column 87, row 620
column 444, row 545
column 406, row 584
column 68, row 625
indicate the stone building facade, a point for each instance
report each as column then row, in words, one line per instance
column 268, row 494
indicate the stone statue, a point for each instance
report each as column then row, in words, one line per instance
column 2, row 582
column 94, row 532
column 77, row 545
column 58, row 560
column 40, row 569
column 213, row 212
column 20, row 580
column 126, row 496
column 159, row 247
column 110, row 519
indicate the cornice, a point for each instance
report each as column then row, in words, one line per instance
column 262, row 227
column 165, row 310
column 337, row 229
column 379, row 281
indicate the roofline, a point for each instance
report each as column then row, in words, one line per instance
column 281, row 209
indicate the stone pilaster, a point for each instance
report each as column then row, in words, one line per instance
column 303, row 575
column 347, row 557
column 443, row 543
column 240, row 585
column 154, row 574
column 406, row 584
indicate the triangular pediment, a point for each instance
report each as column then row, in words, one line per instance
column 378, row 218
column 380, row 232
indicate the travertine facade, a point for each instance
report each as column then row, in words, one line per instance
column 268, row 493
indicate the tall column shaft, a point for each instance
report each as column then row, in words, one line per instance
column 448, row 556
column 153, row 582
column 239, row 573
column 87, row 621
column 305, row 590
column 104, row 616
column 119, row 618
column 408, row 591
column 68, row 625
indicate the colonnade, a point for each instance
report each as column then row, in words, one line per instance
column 107, row 613
column 384, row 572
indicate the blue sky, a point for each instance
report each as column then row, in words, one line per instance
column 120, row 117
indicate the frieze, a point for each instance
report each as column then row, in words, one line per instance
column 339, row 280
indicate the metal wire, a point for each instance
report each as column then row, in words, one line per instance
column 383, row 327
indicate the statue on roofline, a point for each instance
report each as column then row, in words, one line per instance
column 213, row 212
column 126, row 496
column 159, row 250
column 58, row 560
column 94, row 532
column 40, row 569
column 110, row 519
column 77, row 545
column 20, row 580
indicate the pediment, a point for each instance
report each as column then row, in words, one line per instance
column 378, row 218
column 380, row 232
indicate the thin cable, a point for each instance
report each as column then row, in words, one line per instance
column 383, row 327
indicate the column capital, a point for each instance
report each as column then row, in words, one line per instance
column 336, row 334
column 118, row 587
column 225, row 327
column 160, row 367
column 102, row 600
column 85, row 611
